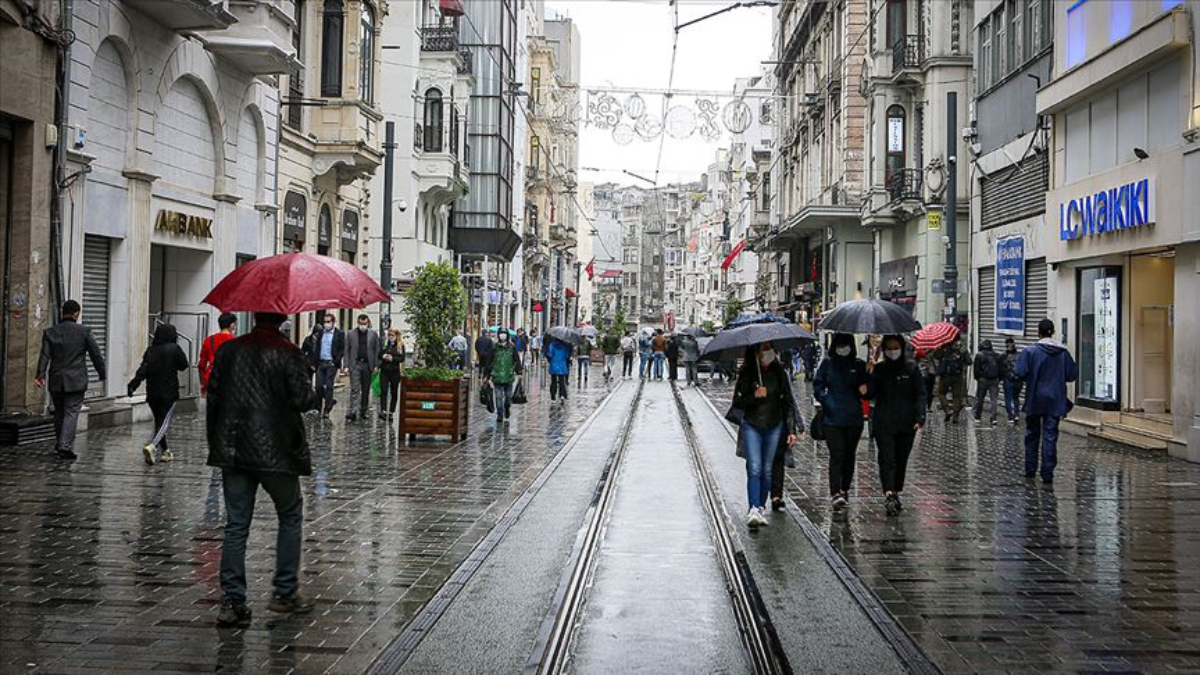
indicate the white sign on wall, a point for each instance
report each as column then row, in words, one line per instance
column 895, row 134
column 1107, row 301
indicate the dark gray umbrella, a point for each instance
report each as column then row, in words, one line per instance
column 568, row 335
column 780, row 335
column 694, row 331
column 869, row 316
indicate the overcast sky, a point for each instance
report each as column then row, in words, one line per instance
column 627, row 43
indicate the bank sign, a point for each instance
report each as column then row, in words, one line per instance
column 1119, row 208
column 1010, row 285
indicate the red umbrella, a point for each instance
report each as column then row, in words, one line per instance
column 934, row 335
column 292, row 283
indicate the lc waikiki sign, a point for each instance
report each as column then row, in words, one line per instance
column 1112, row 210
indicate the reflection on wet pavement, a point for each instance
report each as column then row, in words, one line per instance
column 107, row 563
column 990, row 573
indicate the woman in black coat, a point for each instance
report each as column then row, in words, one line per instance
column 160, row 368
column 763, row 394
column 899, row 393
column 391, row 368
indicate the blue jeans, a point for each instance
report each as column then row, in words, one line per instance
column 1043, row 428
column 760, row 448
column 503, row 397
column 241, row 488
column 659, row 357
column 1012, row 397
column 644, row 365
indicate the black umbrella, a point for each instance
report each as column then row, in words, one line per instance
column 780, row 335
column 694, row 331
column 568, row 335
column 869, row 316
column 747, row 319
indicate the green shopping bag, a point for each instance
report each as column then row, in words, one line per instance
column 375, row 384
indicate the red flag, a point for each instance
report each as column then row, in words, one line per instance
column 591, row 269
column 451, row 7
column 733, row 254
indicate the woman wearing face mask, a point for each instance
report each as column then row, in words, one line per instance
column 899, row 394
column 839, row 386
column 764, row 394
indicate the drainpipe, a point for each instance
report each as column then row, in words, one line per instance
column 951, row 270
column 65, row 37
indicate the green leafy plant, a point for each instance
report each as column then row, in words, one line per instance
column 708, row 326
column 427, row 373
column 617, row 327
column 434, row 307
column 733, row 309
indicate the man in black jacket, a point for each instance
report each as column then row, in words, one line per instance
column 329, row 346
column 989, row 368
column 63, row 349
column 257, row 391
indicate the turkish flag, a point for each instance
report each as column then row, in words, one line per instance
column 451, row 7
column 591, row 269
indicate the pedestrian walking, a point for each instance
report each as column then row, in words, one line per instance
column 558, row 356
column 504, row 369
column 645, row 355
column 611, row 344
column 484, row 348
column 899, row 413
column 362, row 358
column 535, row 346
column 691, row 359
column 391, row 370
column 63, row 372
column 330, row 348
column 1046, row 367
column 628, row 348
column 928, row 366
column 458, row 345
column 840, row 386
column 161, row 364
column 763, row 395
column 227, row 323
column 583, row 361
column 809, row 353
column 988, row 369
column 658, row 345
column 1012, row 385
column 257, row 390
column 952, row 363
column 673, row 358
column 521, row 342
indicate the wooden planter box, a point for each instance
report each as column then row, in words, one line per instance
column 435, row 408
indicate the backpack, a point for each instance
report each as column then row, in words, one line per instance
column 951, row 363
column 990, row 369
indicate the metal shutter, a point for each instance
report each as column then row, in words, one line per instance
column 1036, row 304
column 1036, row 297
column 1010, row 195
column 986, row 314
column 95, row 301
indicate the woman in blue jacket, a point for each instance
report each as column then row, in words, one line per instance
column 558, row 356
column 839, row 386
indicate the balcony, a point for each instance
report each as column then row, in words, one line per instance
column 260, row 42
column 905, row 185
column 186, row 15
column 439, row 38
column 441, row 174
column 908, row 53
column 347, row 140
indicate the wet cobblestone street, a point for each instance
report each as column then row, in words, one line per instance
column 991, row 573
column 109, row 564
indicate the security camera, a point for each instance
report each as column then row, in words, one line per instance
column 401, row 205
column 976, row 148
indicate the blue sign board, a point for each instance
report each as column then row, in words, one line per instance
column 1010, row 285
column 1111, row 210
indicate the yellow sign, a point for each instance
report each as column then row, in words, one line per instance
column 934, row 220
column 182, row 223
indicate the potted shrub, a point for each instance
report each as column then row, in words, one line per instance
column 434, row 397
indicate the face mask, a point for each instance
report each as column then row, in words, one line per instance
column 503, row 338
column 328, row 326
column 843, row 351
column 766, row 357
column 892, row 354
column 362, row 328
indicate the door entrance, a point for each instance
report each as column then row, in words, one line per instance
column 1152, row 297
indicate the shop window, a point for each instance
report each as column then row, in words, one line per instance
column 1099, row 336
column 366, row 62
column 332, row 37
column 1076, row 34
column 433, row 121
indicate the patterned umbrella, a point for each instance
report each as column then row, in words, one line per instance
column 934, row 335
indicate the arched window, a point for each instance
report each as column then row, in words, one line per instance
column 366, row 62
column 332, row 37
column 433, row 121
column 896, row 141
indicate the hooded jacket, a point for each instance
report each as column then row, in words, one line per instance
column 835, row 387
column 1046, row 367
column 899, row 393
column 558, row 354
column 988, row 364
column 258, row 388
column 160, row 367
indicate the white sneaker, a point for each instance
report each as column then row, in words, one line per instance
column 148, row 453
column 763, row 517
column 752, row 518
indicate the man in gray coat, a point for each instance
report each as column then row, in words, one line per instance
column 362, row 358
column 63, row 348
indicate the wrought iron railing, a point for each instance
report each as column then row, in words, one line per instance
column 908, row 52
column 439, row 38
column 904, row 184
column 418, row 136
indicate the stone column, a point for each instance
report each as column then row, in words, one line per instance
column 134, row 253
